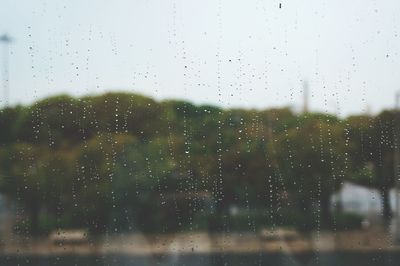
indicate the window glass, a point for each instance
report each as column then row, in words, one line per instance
column 199, row 132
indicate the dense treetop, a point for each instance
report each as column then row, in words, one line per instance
column 63, row 157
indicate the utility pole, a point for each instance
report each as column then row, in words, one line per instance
column 6, row 40
column 396, row 166
column 305, row 96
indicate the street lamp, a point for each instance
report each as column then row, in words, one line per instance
column 6, row 40
column 396, row 166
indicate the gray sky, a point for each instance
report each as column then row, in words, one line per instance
column 230, row 53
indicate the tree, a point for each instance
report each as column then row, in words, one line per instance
column 372, row 154
column 311, row 159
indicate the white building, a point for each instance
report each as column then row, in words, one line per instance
column 360, row 200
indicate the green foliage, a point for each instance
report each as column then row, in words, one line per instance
column 122, row 161
column 347, row 221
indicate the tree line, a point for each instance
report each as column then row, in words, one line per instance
column 122, row 161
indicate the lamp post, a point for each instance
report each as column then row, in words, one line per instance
column 6, row 40
column 396, row 166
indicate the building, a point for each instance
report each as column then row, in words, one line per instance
column 360, row 200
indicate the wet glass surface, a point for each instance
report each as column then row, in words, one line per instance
column 199, row 132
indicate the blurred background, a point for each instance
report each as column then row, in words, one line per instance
column 187, row 133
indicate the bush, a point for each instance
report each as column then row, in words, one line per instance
column 347, row 221
column 298, row 219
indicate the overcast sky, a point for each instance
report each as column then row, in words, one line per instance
column 231, row 53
